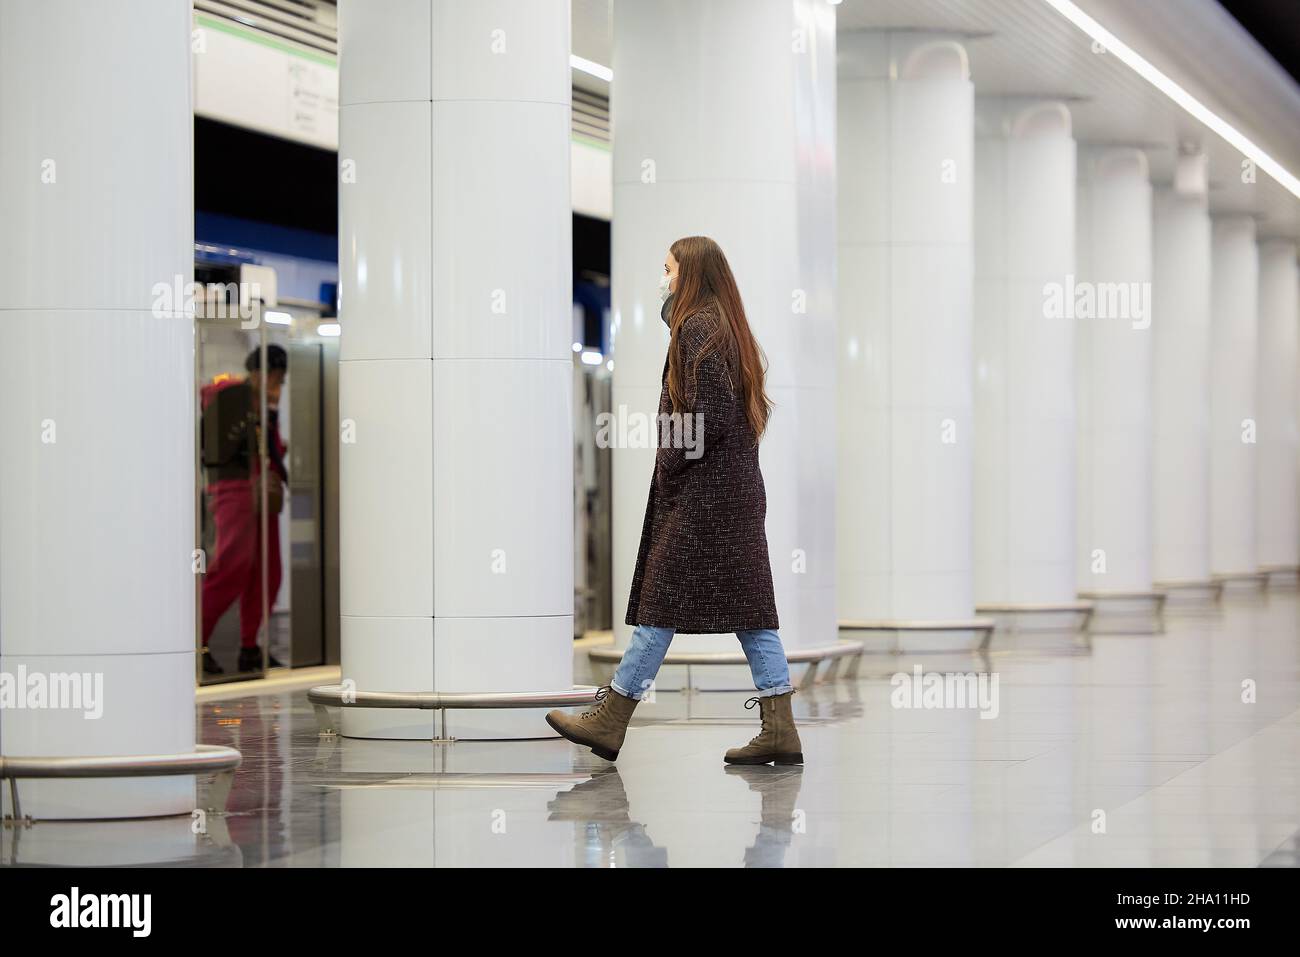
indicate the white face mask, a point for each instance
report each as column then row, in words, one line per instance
column 664, row 283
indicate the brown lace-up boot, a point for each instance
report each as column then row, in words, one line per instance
column 778, row 741
column 602, row 728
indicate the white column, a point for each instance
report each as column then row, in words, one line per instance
column 1024, row 353
column 455, row 374
column 1112, row 302
column 1234, row 365
column 723, row 119
column 1181, row 391
column 97, row 390
column 905, row 272
column 1278, row 512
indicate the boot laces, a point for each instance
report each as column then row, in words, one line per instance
column 762, row 717
column 601, row 695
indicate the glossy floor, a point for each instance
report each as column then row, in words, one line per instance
column 1172, row 749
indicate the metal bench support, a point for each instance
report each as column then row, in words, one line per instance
column 212, row 759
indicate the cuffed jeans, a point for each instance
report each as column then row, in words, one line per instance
column 645, row 653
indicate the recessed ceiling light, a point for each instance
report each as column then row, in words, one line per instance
column 590, row 66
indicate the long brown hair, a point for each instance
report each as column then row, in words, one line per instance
column 704, row 281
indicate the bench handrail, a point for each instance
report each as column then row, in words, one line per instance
column 334, row 696
column 795, row 656
column 205, row 759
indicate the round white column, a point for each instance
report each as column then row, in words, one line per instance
column 905, row 354
column 1278, row 512
column 1024, row 354
column 1112, row 300
column 1181, row 391
column 97, row 386
column 723, row 126
column 1234, row 365
column 455, row 373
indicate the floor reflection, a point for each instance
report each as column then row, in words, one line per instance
column 1153, row 733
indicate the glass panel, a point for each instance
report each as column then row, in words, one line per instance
column 237, row 509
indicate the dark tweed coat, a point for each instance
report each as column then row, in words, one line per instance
column 702, row 567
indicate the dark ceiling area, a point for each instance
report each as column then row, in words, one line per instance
column 262, row 178
column 1275, row 25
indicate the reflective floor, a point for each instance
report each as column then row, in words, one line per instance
column 1172, row 749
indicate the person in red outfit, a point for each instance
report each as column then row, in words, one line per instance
column 231, row 413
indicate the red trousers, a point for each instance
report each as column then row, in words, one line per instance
column 235, row 569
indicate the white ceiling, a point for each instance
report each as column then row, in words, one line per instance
column 592, row 39
column 1025, row 47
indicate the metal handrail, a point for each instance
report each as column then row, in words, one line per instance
column 1157, row 596
column 795, row 656
column 323, row 697
column 917, row 624
column 339, row 697
column 1035, row 607
column 204, row 759
column 813, row 657
column 1014, row 612
column 1182, row 586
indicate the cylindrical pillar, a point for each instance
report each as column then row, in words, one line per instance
column 1181, row 390
column 1278, row 512
column 455, row 373
column 1024, row 354
column 723, row 126
column 97, row 529
column 905, row 271
column 1110, row 298
column 1234, row 364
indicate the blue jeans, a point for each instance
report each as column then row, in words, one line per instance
column 645, row 653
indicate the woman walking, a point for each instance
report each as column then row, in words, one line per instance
column 702, row 567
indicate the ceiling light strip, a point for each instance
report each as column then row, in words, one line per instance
column 591, row 67
column 1165, row 85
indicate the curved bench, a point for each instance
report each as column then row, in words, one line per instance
column 922, row 624
column 1101, row 598
column 1015, row 611
column 324, row 697
column 813, row 657
column 1257, row 578
column 204, row 759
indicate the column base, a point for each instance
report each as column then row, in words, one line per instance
column 477, row 657
column 325, row 697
